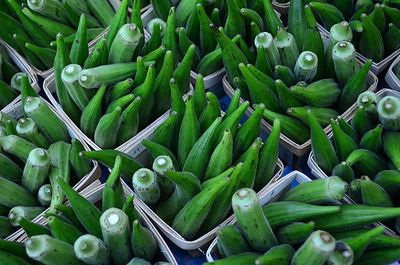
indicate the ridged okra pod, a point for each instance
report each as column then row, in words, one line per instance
column 285, row 212
column 306, row 66
column 143, row 243
column 27, row 128
column 44, row 195
column 111, row 73
column 294, row 233
column 124, row 44
column 116, row 232
column 17, row 213
column 161, row 165
column 62, row 230
column 113, row 194
column 145, row 184
column 16, row 146
column 231, row 241
column 344, row 60
column 87, row 213
column 252, row 221
column 50, row 8
column 91, row 250
column 389, row 112
column 315, row 250
column 280, row 254
column 286, row 45
column 338, row 32
column 317, row 192
column 190, row 218
column 48, row 250
column 48, row 122
column 36, row 170
column 70, row 77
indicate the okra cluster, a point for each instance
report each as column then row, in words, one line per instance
column 123, row 84
column 306, row 226
column 364, row 151
column 198, row 24
column 36, row 151
column 31, row 26
column 84, row 234
column 375, row 25
column 199, row 158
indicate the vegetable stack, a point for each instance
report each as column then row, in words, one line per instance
column 85, row 234
column 200, row 158
column 36, row 149
column 292, row 73
column 30, row 26
column 305, row 228
column 375, row 25
column 113, row 92
column 365, row 152
column 10, row 79
column 188, row 24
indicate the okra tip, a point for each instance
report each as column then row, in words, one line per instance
column 243, row 193
column 325, row 237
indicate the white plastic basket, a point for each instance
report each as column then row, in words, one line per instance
column 390, row 78
column 45, row 73
column 24, row 67
column 319, row 173
column 138, row 151
column 292, row 148
column 270, row 195
column 49, row 89
column 315, row 169
column 209, row 80
column 376, row 67
column 282, row 8
column 17, row 112
column 94, row 195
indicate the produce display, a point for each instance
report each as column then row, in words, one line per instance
column 85, row 234
column 109, row 97
column 10, row 79
column 292, row 73
column 241, row 20
column 138, row 86
column 36, row 150
column 375, row 25
column 200, row 157
column 305, row 226
column 31, row 26
column 365, row 150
